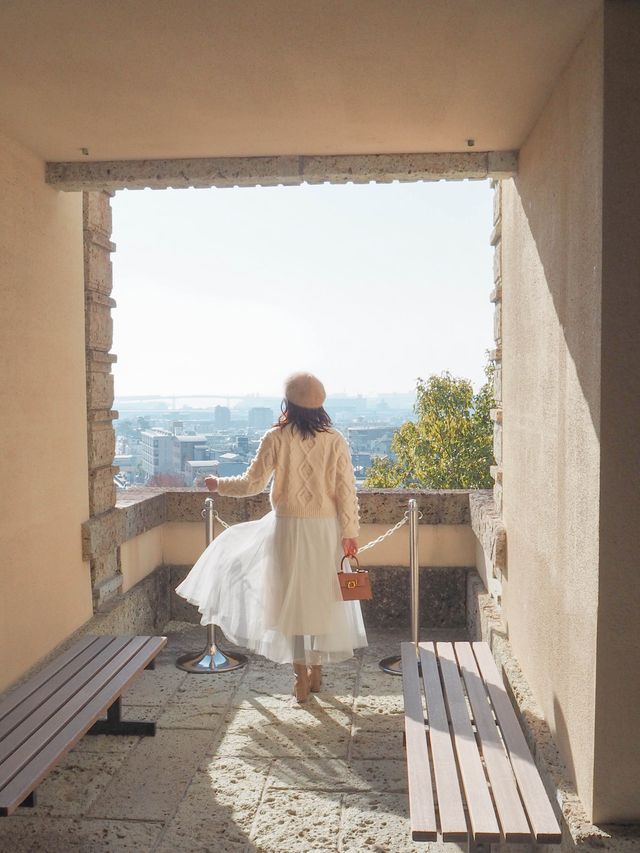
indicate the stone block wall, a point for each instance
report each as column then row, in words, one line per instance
column 496, row 355
column 485, row 507
column 103, row 556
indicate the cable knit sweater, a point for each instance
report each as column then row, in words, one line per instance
column 312, row 477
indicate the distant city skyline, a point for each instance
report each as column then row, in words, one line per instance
column 369, row 286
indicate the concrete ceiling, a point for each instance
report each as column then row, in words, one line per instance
column 219, row 78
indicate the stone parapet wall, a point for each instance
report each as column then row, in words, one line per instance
column 446, row 543
column 141, row 509
column 442, row 598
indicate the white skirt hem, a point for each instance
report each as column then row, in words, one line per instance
column 271, row 586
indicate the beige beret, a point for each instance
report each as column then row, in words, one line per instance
column 304, row 390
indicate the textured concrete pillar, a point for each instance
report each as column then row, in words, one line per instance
column 106, row 578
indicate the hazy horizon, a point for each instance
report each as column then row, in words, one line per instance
column 225, row 292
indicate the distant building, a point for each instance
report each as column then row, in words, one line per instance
column 242, row 443
column 370, row 439
column 230, row 465
column 128, row 463
column 157, row 451
column 188, row 448
column 361, row 460
column 199, row 468
column 260, row 417
column 222, row 417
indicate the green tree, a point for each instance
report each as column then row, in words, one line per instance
column 449, row 446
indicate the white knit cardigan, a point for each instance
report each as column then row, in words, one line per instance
column 312, row 477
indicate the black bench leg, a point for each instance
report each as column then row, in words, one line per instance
column 115, row 725
column 30, row 801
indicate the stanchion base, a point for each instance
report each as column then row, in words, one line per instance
column 211, row 660
column 391, row 665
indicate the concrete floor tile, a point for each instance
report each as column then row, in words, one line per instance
column 217, row 686
column 218, row 808
column 192, row 714
column 309, row 730
column 328, row 774
column 106, row 743
column 385, row 744
column 376, row 720
column 389, row 704
column 380, row 823
column 154, row 686
column 382, row 774
column 151, row 782
column 314, row 774
column 297, row 822
column 374, row 682
column 247, row 698
column 67, row 835
column 76, row 782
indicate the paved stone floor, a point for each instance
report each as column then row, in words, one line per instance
column 236, row 765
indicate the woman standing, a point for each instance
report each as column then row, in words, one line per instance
column 271, row 585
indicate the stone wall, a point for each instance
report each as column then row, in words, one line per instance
column 486, row 507
column 442, row 598
column 496, row 355
column 106, row 577
column 142, row 510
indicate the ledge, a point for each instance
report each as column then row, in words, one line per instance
column 141, row 509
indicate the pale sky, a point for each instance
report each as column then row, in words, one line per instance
column 226, row 291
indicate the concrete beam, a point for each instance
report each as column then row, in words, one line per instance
column 272, row 171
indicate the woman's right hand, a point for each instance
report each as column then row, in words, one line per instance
column 350, row 547
column 211, row 483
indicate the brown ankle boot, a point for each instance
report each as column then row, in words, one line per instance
column 315, row 678
column 301, row 686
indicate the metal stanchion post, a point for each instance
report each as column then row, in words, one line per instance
column 212, row 659
column 393, row 664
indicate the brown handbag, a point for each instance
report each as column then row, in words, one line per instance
column 354, row 585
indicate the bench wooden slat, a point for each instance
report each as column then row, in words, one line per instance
column 484, row 826
column 87, row 706
column 25, row 710
column 453, row 823
column 52, row 711
column 541, row 816
column 24, row 690
column 422, row 809
column 511, row 815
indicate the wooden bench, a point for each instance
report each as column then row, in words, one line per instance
column 46, row 716
column 471, row 774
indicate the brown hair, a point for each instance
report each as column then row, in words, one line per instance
column 307, row 421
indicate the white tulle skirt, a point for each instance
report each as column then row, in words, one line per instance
column 271, row 586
